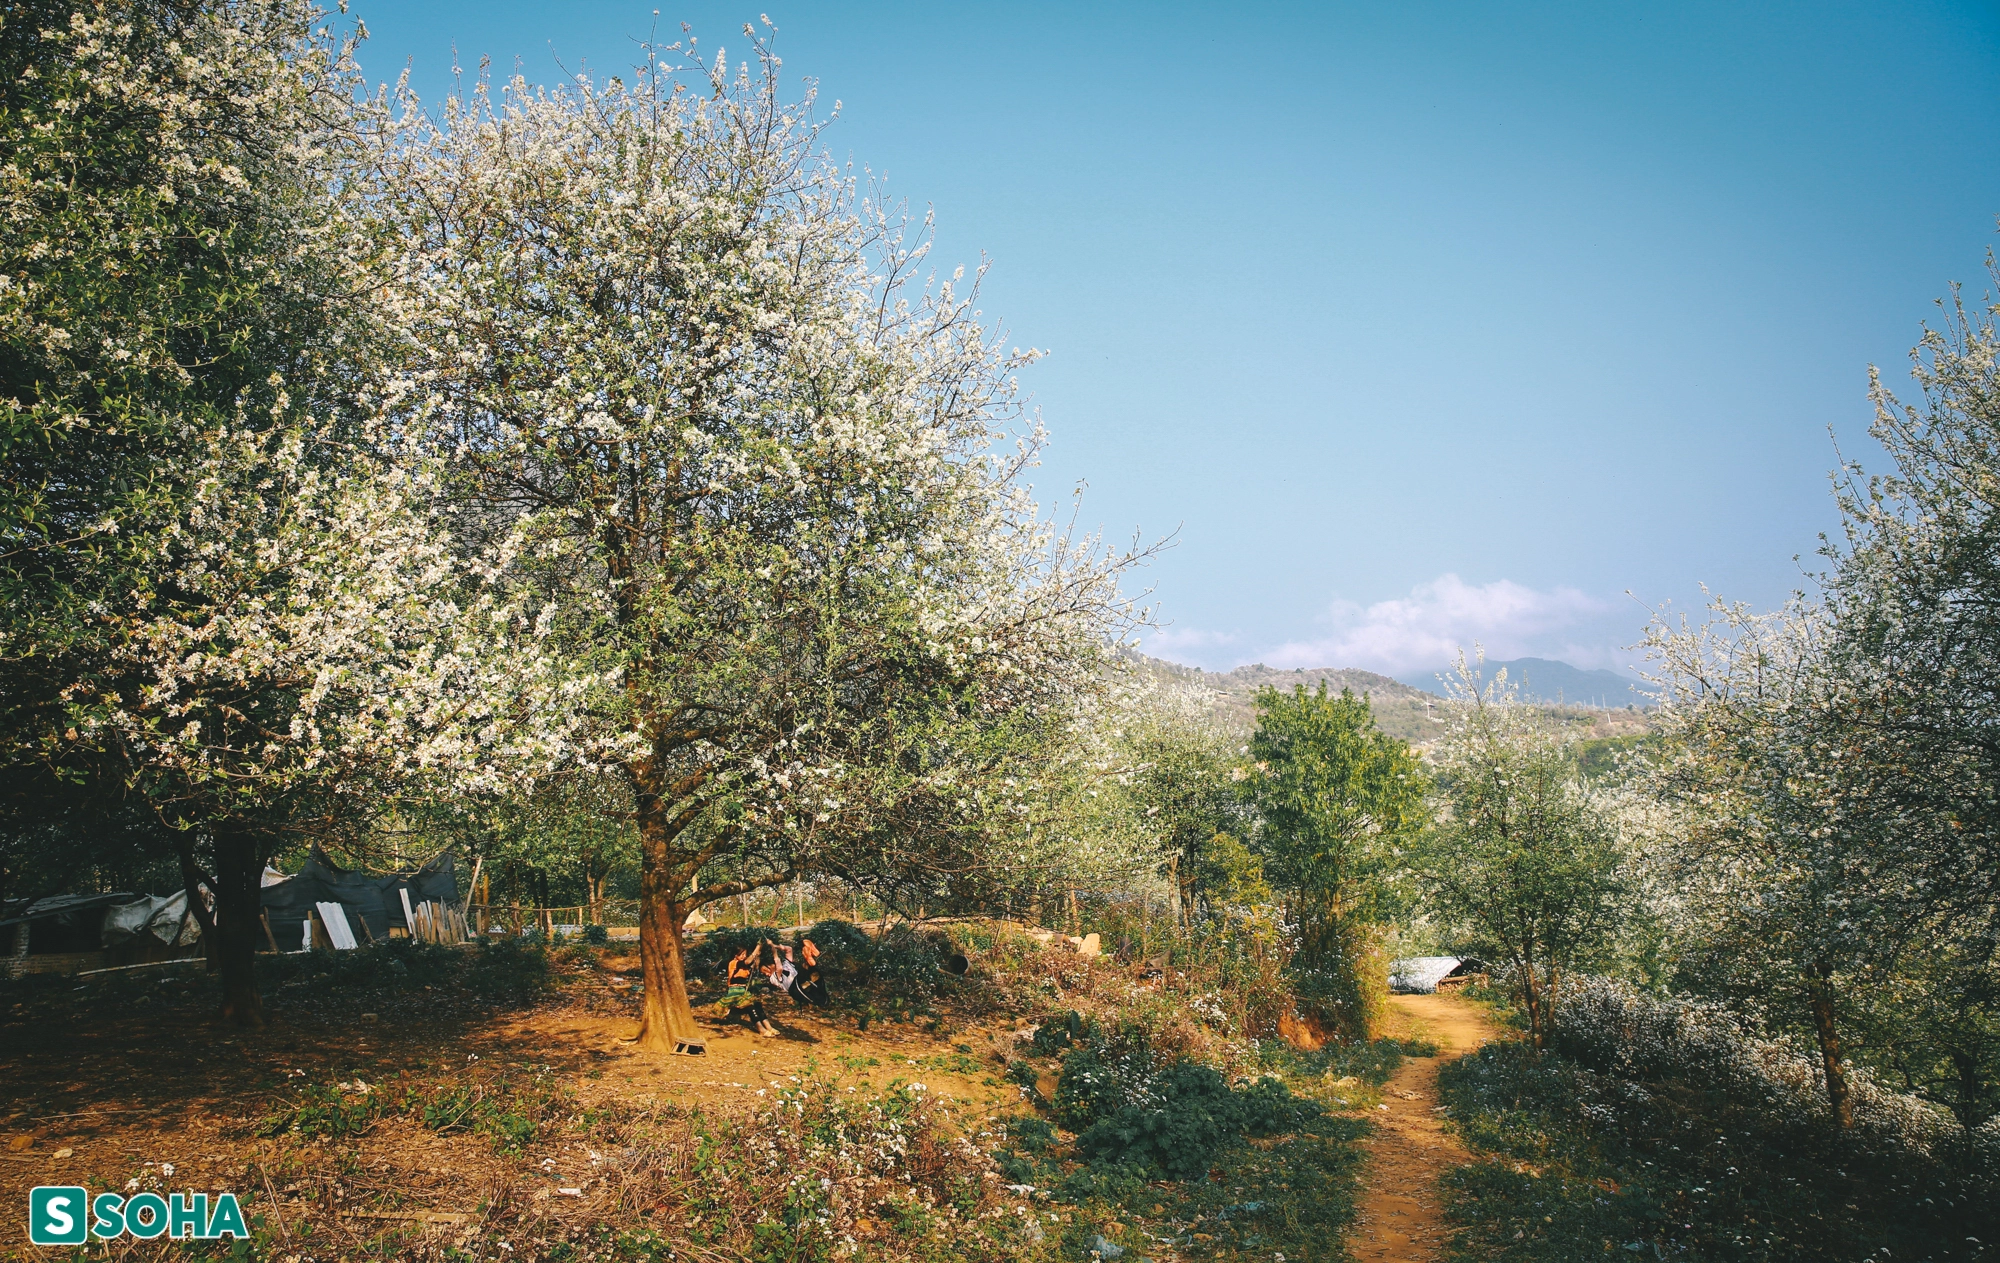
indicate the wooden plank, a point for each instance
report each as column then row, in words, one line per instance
column 150, row 964
column 473, row 885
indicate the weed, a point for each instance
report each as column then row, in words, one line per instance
column 324, row 1110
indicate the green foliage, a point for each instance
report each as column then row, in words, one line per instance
column 1338, row 798
column 156, row 280
column 1292, row 1197
column 506, row 1110
column 1173, row 1118
column 1340, row 975
column 1055, row 1034
column 1183, row 797
column 496, row 971
column 719, row 945
column 840, row 941
column 906, row 959
column 324, row 1109
column 1190, row 1112
column 1522, row 862
column 1336, row 794
column 1611, row 758
column 1372, row 1061
column 903, row 959
column 1227, row 871
column 1931, row 1024
column 509, row 1114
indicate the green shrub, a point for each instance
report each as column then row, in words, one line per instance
column 719, row 945
column 1129, row 1113
column 1057, row 1033
column 1103, row 1075
column 596, row 935
column 906, row 960
column 1191, row 1115
column 841, row 942
column 495, row 971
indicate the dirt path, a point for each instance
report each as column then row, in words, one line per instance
column 1401, row 1217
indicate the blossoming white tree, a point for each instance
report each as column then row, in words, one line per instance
column 300, row 647
column 772, row 486
column 1836, row 763
column 1790, row 885
column 224, row 602
column 1520, row 856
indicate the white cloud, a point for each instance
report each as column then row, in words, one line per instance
column 1428, row 627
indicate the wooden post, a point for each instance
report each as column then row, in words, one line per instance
column 19, row 964
column 477, row 864
column 269, row 937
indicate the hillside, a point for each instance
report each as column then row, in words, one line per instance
column 1413, row 714
column 1400, row 710
column 1550, row 682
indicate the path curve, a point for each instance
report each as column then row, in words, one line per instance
column 1402, row 1216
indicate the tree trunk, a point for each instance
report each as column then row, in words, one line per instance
column 239, row 866
column 1966, row 1066
column 192, row 881
column 666, row 1015
column 1531, row 999
column 1549, row 997
column 1819, row 996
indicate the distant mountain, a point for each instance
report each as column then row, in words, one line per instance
column 1550, row 682
column 1400, row 710
column 1407, row 708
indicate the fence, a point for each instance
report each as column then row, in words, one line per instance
column 620, row 912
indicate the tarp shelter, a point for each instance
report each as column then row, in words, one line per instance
column 60, row 923
column 1422, row 974
column 371, row 900
column 165, row 917
column 67, row 933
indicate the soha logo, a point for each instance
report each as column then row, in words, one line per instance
column 70, row 1216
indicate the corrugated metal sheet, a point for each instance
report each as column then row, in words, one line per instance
column 1421, row 974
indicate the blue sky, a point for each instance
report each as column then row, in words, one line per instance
column 1421, row 323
